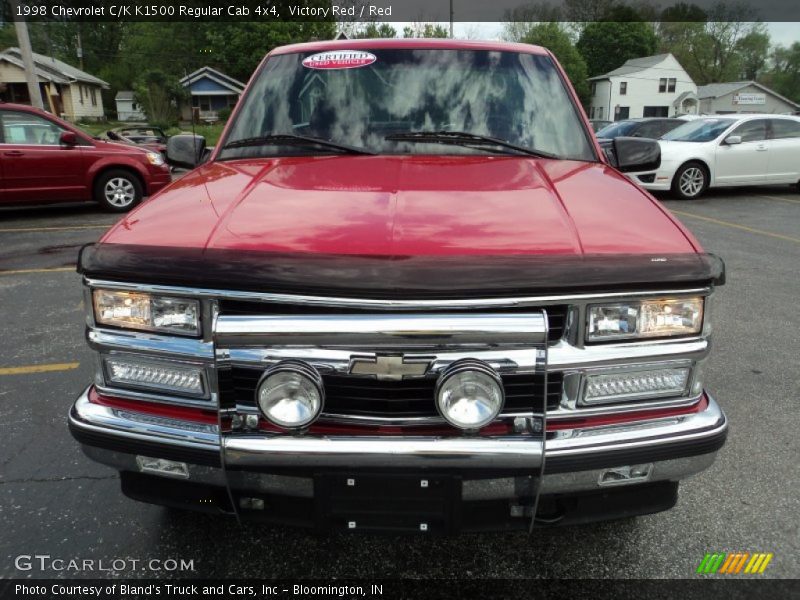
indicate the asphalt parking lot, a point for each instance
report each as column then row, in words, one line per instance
column 55, row 501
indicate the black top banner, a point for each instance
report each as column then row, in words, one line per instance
column 363, row 11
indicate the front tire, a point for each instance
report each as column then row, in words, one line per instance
column 690, row 181
column 118, row 190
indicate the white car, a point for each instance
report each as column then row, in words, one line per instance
column 724, row 151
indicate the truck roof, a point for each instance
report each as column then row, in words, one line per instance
column 409, row 43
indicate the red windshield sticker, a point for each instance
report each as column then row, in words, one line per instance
column 339, row 59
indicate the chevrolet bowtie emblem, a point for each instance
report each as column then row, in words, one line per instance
column 389, row 367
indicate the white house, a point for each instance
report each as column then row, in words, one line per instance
column 652, row 86
column 128, row 109
column 66, row 91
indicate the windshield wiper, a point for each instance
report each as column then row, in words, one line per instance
column 463, row 138
column 292, row 139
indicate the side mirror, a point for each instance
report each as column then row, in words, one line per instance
column 732, row 140
column 186, row 150
column 68, row 138
column 634, row 154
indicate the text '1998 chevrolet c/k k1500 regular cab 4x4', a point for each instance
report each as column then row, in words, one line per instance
column 406, row 291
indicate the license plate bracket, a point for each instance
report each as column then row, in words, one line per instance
column 419, row 503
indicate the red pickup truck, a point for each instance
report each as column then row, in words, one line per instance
column 406, row 291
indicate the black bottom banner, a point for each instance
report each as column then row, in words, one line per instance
column 111, row 589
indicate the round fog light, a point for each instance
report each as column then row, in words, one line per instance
column 290, row 394
column 469, row 394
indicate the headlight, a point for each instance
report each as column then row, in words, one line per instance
column 469, row 394
column 290, row 394
column 154, row 158
column 644, row 319
column 136, row 310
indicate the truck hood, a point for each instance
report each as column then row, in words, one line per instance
column 406, row 206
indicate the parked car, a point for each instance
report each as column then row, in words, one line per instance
column 650, row 127
column 598, row 124
column 726, row 151
column 139, row 134
column 407, row 291
column 45, row 160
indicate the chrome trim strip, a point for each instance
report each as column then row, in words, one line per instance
column 169, row 346
column 381, row 304
column 561, row 356
column 89, row 416
column 375, row 330
column 459, row 452
column 591, row 440
column 242, row 451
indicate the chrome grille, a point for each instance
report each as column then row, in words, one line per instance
column 556, row 313
column 348, row 395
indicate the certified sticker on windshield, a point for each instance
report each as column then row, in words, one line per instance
column 339, row 59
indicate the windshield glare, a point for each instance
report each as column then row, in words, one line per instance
column 516, row 97
column 699, row 130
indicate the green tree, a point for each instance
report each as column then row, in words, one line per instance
column 159, row 95
column 555, row 38
column 606, row 45
column 376, row 30
column 753, row 53
column 238, row 48
column 784, row 74
column 425, row 30
column 724, row 44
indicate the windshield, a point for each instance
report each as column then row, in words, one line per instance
column 699, row 130
column 617, row 129
column 359, row 98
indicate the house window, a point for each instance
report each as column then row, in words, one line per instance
column 594, row 88
column 662, row 85
column 671, row 84
column 94, row 96
column 80, row 91
column 600, row 112
column 591, row 112
column 623, row 88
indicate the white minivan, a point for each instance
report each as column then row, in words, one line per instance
column 724, row 151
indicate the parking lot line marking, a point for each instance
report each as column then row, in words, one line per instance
column 781, row 198
column 27, row 370
column 62, row 228
column 26, row 271
column 737, row 226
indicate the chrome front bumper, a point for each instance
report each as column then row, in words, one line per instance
column 574, row 459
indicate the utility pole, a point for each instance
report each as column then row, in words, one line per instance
column 451, row 19
column 27, row 57
column 79, row 50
